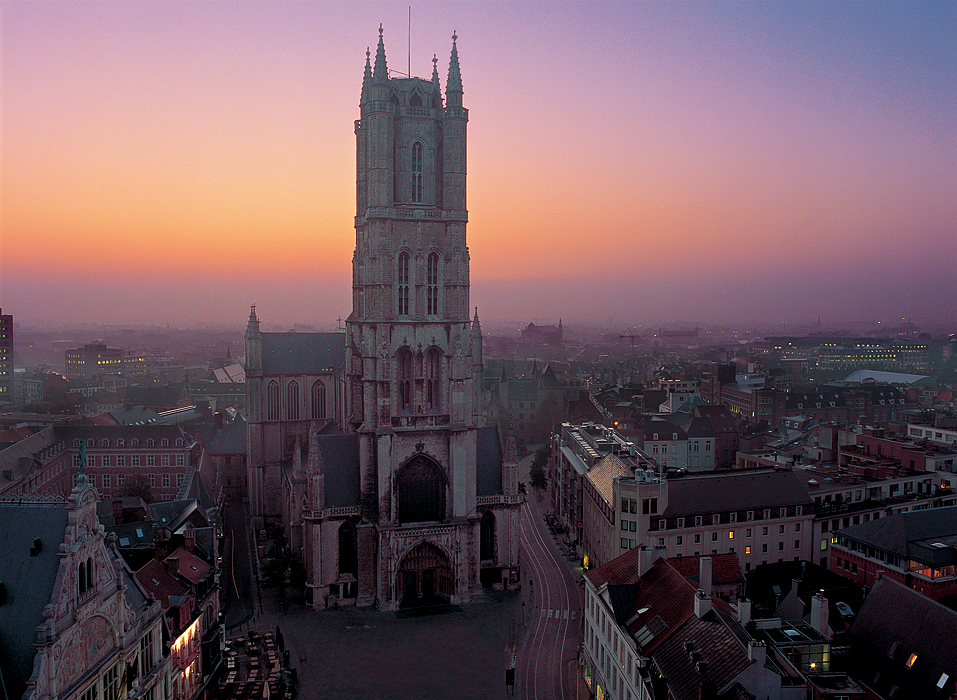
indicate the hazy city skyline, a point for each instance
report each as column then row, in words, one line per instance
column 175, row 162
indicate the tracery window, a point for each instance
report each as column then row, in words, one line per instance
column 417, row 172
column 404, row 367
column 487, row 539
column 319, row 400
column 272, row 401
column 421, row 491
column 432, row 278
column 402, row 291
column 433, row 375
column 292, row 401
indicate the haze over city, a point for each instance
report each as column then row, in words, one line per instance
column 174, row 162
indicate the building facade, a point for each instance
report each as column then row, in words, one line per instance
column 6, row 358
column 406, row 499
column 75, row 623
column 82, row 364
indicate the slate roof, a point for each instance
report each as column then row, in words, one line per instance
column 228, row 440
column 302, row 353
column 699, row 428
column 488, row 462
column 664, row 429
column 172, row 515
column 912, row 534
column 894, row 613
column 29, row 582
column 339, row 456
column 694, row 495
column 149, row 395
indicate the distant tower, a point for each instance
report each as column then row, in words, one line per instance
column 6, row 358
column 413, row 356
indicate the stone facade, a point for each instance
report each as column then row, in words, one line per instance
column 94, row 632
column 400, row 496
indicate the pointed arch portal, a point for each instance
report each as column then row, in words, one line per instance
column 425, row 577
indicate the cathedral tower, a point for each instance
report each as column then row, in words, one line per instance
column 368, row 446
column 413, row 355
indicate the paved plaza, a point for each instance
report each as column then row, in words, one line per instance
column 361, row 654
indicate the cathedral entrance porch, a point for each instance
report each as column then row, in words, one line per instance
column 424, row 577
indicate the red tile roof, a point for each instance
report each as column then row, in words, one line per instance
column 187, row 565
column 725, row 568
column 159, row 584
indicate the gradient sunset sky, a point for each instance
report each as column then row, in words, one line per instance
column 174, row 162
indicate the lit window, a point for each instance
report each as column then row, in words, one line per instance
column 910, row 660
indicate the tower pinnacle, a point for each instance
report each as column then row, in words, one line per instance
column 380, row 73
column 454, row 85
column 366, row 78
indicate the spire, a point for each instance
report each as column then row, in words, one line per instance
column 252, row 327
column 454, row 84
column 381, row 72
column 436, row 88
column 476, row 328
column 366, row 78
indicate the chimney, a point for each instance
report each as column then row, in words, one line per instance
column 702, row 604
column 660, row 553
column 645, row 560
column 758, row 653
column 117, row 511
column 819, row 613
column 704, row 575
column 172, row 564
column 744, row 611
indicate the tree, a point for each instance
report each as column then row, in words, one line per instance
column 137, row 486
column 538, row 476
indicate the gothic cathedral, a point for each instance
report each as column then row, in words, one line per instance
column 368, row 446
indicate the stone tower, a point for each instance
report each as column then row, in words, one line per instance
column 413, row 355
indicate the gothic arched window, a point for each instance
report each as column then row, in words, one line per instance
column 417, row 172
column 402, row 292
column 432, row 280
column 292, row 401
column 433, row 376
column 487, row 536
column 421, row 491
column 272, row 401
column 318, row 400
column 404, row 375
column 348, row 553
